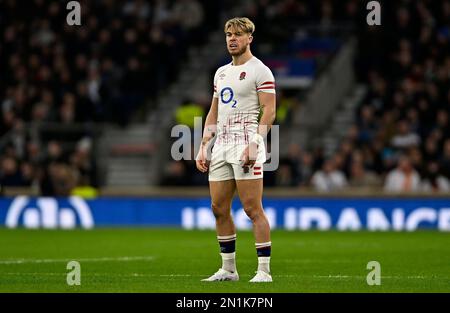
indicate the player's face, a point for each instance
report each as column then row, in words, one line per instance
column 237, row 41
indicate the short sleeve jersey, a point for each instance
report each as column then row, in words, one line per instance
column 237, row 88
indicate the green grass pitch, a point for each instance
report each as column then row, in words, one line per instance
column 173, row 260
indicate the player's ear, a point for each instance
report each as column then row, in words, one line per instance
column 250, row 39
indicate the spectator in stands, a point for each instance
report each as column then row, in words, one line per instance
column 63, row 179
column 445, row 160
column 339, row 160
column 40, row 112
column 28, row 174
column 404, row 178
column 431, row 152
column 175, row 174
column 417, row 160
column 442, row 122
column 329, row 178
column 187, row 112
column 133, row 86
column 366, row 124
column 10, row 174
column 283, row 175
column 81, row 161
column 293, row 162
column 67, row 109
column 388, row 127
column 433, row 179
column 306, row 169
column 374, row 159
column 84, row 188
column 190, row 15
column 405, row 138
column 286, row 104
column 360, row 177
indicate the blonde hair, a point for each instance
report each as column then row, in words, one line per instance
column 242, row 23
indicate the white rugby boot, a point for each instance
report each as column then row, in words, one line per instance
column 223, row 275
column 261, row 277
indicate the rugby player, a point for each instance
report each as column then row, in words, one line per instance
column 235, row 130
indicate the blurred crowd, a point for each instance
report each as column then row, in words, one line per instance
column 50, row 170
column 401, row 137
column 124, row 53
column 400, row 140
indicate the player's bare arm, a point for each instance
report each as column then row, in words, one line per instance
column 267, row 102
column 208, row 133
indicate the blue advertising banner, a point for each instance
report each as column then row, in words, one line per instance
column 373, row 214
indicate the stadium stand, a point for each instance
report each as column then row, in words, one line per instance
column 346, row 103
column 61, row 84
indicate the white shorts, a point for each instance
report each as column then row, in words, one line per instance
column 222, row 170
column 225, row 163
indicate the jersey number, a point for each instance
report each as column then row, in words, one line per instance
column 226, row 95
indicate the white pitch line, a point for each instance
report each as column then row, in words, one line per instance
column 100, row 274
column 314, row 261
column 382, row 277
column 244, row 275
column 104, row 259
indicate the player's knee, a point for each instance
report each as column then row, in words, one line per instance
column 253, row 212
column 220, row 212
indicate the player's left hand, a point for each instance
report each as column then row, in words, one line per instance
column 249, row 155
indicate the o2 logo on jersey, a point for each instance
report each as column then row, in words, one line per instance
column 226, row 95
column 45, row 212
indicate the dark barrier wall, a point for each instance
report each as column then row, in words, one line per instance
column 346, row 213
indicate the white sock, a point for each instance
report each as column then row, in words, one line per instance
column 264, row 264
column 229, row 261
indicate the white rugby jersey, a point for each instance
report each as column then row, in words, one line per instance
column 237, row 87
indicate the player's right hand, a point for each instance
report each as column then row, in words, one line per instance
column 201, row 161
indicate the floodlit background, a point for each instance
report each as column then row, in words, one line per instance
column 358, row 106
